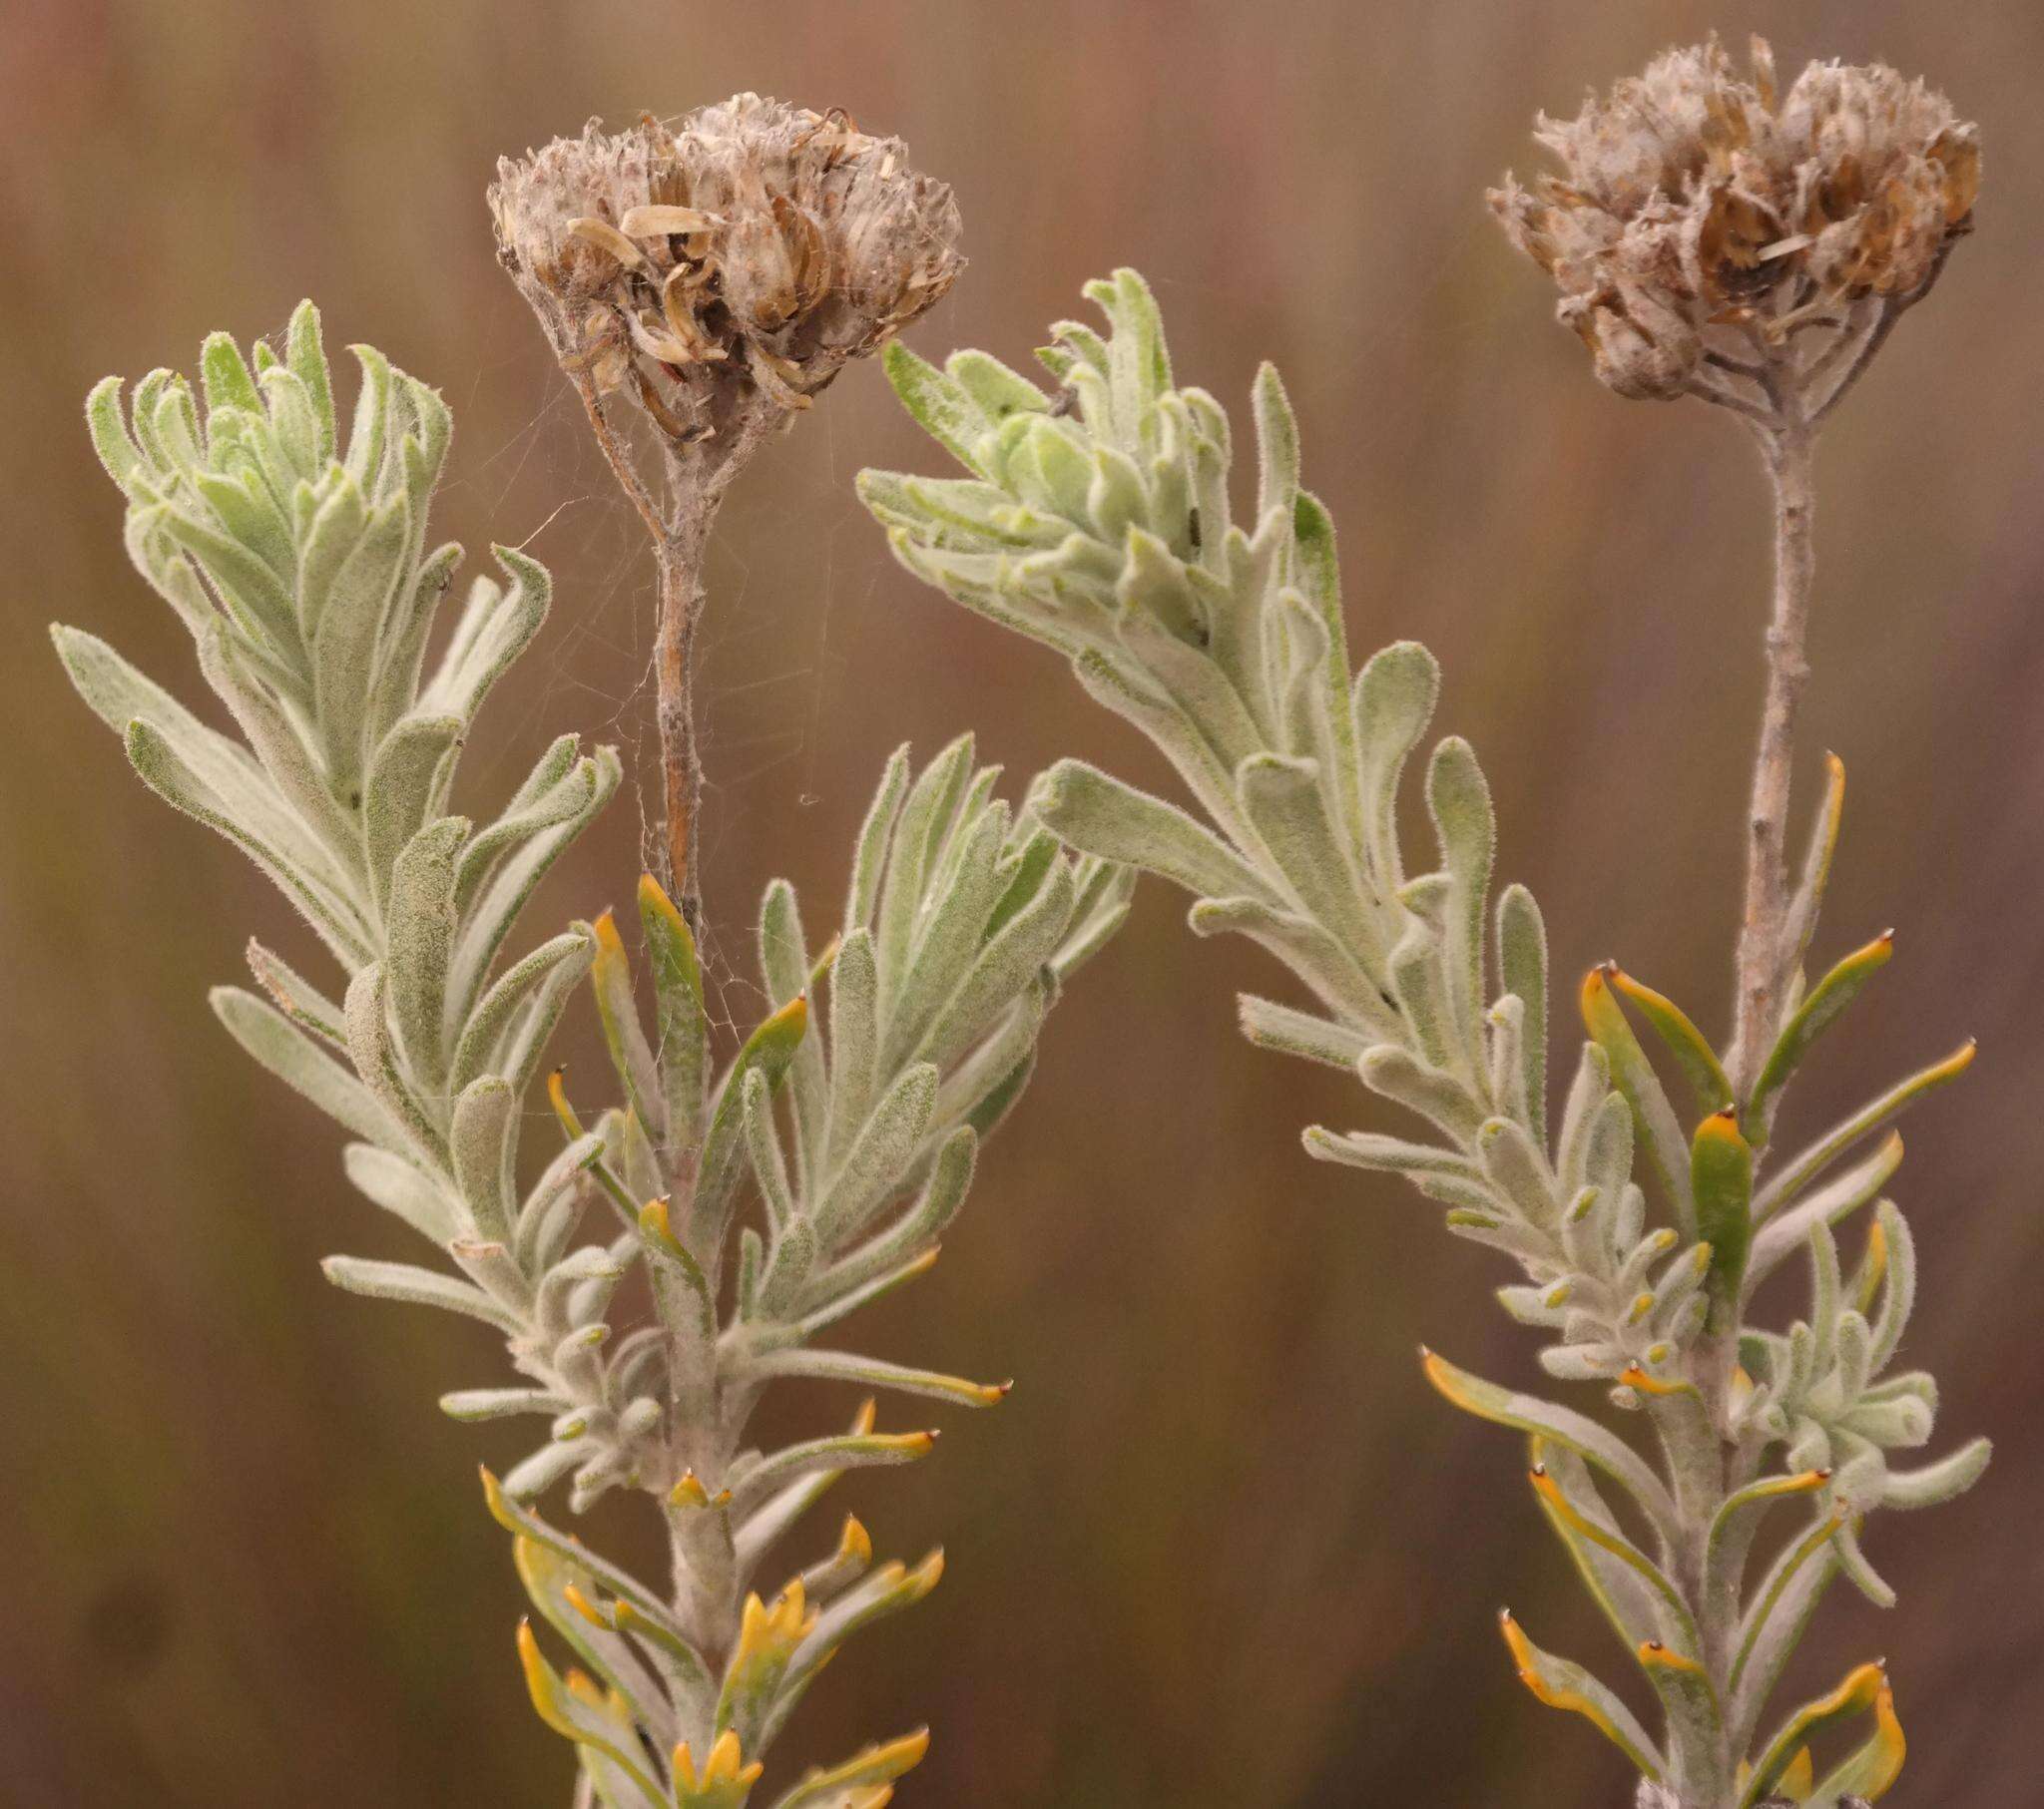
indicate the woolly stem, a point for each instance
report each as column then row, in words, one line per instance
column 679, row 559
column 1760, row 962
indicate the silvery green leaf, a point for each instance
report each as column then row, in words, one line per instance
column 1627, row 1585
column 1310, row 952
column 296, row 996
column 949, row 937
column 1584, row 1362
column 246, row 588
column 562, row 1591
column 1805, row 1166
column 941, row 404
column 790, row 1266
column 225, row 376
column 1100, row 815
column 785, row 966
column 1515, row 1167
column 1807, row 901
column 1101, row 895
column 110, row 437
column 289, row 1054
column 763, row 1143
column 623, row 1038
column 1560, row 1426
column 557, row 789
column 1023, row 870
column 1935, row 1484
column 1588, row 1090
column 1859, row 1572
column 879, row 1155
column 679, row 1018
column 1276, row 443
column 306, row 358
column 1504, row 1041
column 405, row 785
column 492, row 1268
column 539, row 1471
column 1132, row 694
column 421, row 931
column 1563, row 1684
column 1831, row 1204
column 292, row 767
column 992, row 387
column 477, row 1404
column 855, row 1038
column 217, row 773
column 518, row 1053
column 366, row 1013
column 289, row 450
column 769, row 1048
column 559, row 962
column 488, row 921
column 990, row 1069
column 1001, row 970
column 1203, row 713
column 1394, row 1155
column 1419, row 987
column 497, row 624
column 1898, row 1295
column 403, row 1282
column 914, row 1233
column 1522, row 969
column 484, row 1143
column 340, row 517
column 550, row 1209
column 870, row 857
column 404, row 1191
column 401, row 654
column 1392, row 704
column 370, row 438
column 1441, row 1099
column 1782, row 1603
column 345, row 644
column 291, row 862
column 921, row 829
column 1269, row 1025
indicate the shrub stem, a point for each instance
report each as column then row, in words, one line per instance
column 1763, row 957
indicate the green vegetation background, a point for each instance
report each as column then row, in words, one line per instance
column 1224, row 1545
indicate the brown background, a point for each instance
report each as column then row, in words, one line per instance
column 1223, row 1546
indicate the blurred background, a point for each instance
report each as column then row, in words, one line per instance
column 1224, row 1545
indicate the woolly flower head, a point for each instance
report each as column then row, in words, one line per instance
column 1692, row 198
column 751, row 250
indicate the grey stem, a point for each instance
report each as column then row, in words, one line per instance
column 1762, row 958
column 678, row 553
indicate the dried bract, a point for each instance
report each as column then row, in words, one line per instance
column 751, row 250
column 1692, row 203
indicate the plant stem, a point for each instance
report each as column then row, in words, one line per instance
column 677, row 553
column 1763, row 960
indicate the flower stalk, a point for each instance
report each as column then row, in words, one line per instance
column 1764, row 957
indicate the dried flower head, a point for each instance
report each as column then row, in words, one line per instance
column 1695, row 208
column 749, row 251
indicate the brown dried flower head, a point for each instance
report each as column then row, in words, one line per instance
column 748, row 251
column 1694, row 204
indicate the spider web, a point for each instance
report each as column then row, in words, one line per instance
column 604, row 622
